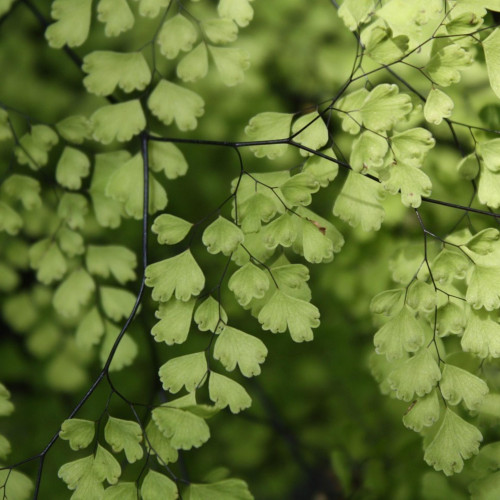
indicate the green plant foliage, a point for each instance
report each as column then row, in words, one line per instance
column 124, row 435
column 136, row 139
column 80, row 433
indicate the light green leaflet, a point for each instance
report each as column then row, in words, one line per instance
column 74, row 292
column 72, row 23
column 241, row 12
column 417, row 375
column 187, row 371
column 78, row 432
column 73, row 165
column 176, row 34
column 285, row 312
column 175, row 320
column 184, row 429
column 455, row 441
column 423, row 413
column 116, row 260
column 169, row 102
column 234, row 347
column 226, row 392
column 438, row 106
column 118, row 122
column 266, row 126
column 402, row 333
column 124, row 435
column 491, row 48
column 116, row 16
column 156, row 484
column 107, row 70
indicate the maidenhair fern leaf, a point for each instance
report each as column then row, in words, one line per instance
column 490, row 152
column 157, row 444
column 10, row 221
column 105, row 466
column 458, row 384
column 484, row 287
column 285, row 312
column 402, row 333
column 73, row 293
column 322, row 169
column 23, row 188
column 107, row 70
column 482, row 335
column 184, row 429
column 222, row 236
column 383, row 107
column 410, row 181
column 388, row 302
column 170, row 229
column 157, row 486
column 240, row 11
column 194, row 65
column 126, row 185
column 234, row 347
column 73, row 165
column 297, row 189
column 72, row 209
column 210, row 315
column 74, row 128
column 228, row 489
column 118, row 121
column 169, row 102
column 438, row 106
column 80, row 433
column 46, row 258
column 116, row 260
column 72, row 472
column 424, row 412
column 168, row 158
column 121, row 491
column 359, row 203
column 117, row 303
column 124, row 354
column 90, row 329
column 226, row 392
column 72, row 23
column 187, row 371
column 368, row 151
column 382, row 46
column 116, row 16
column 446, row 63
column 108, row 212
column 151, row 8
column 281, row 231
column 176, row 34
column 491, row 46
column 422, row 296
column 34, row 146
column 355, row 12
column 417, row 375
column 220, row 31
column 180, row 274
column 256, row 209
column 412, row 145
column 231, row 63
column 267, row 126
column 175, row 316
column 124, row 435
column 455, row 441
column 248, row 282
